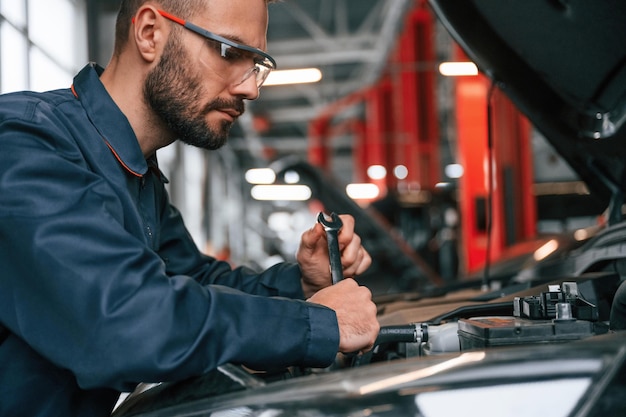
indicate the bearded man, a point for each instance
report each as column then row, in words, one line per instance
column 102, row 286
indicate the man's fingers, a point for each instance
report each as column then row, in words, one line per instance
column 356, row 314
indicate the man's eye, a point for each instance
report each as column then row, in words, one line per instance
column 233, row 54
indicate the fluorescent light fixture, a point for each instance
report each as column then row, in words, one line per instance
column 294, row 76
column 260, row 176
column 457, row 69
column 364, row 191
column 281, row 192
column 377, row 172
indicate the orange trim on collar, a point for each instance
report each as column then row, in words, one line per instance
column 120, row 160
column 111, row 147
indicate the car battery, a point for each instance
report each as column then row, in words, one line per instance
column 481, row 332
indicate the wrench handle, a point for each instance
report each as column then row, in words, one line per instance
column 332, row 225
column 336, row 270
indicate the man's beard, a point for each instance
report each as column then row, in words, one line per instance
column 173, row 92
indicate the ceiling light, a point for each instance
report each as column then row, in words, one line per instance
column 376, row 172
column 454, row 171
column 457, row 69
column 401, row 172
column 362, row 191
column 294, row 76
column 281, row 192
column 292, row 177
column 260, row 176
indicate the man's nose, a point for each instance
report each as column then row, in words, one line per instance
column 247, row 88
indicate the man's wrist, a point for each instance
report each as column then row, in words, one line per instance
column 310, row 289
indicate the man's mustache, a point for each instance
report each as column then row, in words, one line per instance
column 235, row 105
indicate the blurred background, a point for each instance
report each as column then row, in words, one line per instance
column 393, row 125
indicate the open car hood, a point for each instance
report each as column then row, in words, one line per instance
column 563, row 63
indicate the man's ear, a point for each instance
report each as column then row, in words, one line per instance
column 149, row 33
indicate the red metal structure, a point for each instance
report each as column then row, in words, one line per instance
column 401, row 127
column 414, row 83
column 401, row 123
column 496, row 202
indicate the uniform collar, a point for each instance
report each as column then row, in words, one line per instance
column 109, row 120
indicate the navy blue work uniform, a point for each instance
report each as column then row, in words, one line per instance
column 101, row 285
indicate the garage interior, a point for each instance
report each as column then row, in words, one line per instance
column 457, row 176
column 496, row 260
column 381, row 104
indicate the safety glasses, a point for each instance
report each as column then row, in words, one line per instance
column 233, row 53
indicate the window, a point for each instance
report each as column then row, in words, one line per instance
column 42, row 43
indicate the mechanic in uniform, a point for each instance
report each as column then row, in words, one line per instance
column 101, row 285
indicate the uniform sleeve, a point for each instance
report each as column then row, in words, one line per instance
column 92, row 298
column 182, row 257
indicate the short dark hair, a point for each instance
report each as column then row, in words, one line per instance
column 182, row 8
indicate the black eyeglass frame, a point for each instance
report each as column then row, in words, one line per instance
column 267, row 62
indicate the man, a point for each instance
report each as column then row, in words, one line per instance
column 101, row 285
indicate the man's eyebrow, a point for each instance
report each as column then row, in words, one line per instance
column 236, row 39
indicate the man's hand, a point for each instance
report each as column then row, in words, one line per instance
column 312, row 255
column 356, row 314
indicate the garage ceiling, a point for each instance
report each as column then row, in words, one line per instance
column 349, row 40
